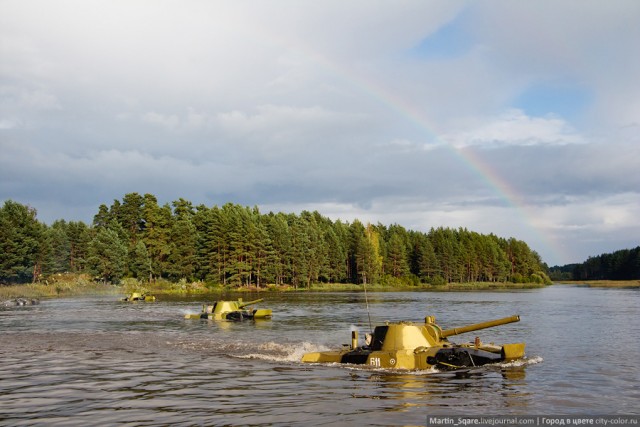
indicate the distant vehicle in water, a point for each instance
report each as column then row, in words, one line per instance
column 137, row 296
column 231, row 310
column 405, row 345
column 20, row 302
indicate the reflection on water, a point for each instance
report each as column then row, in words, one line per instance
column 96, row 361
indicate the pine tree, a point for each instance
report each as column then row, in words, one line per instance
column 279, row 234
column 140, row 262
column 397, row 264
column 368, row 261
column 20, row 237
column 299, row 254
column 263, row 250
column 79, row 235
column 427, row 267
column 102, row 218
column 129, row 215
column 108, row 255
column 60, row 255
column 157, row 235
column 182, row 250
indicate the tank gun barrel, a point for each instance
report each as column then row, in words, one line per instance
column 483, row 325
column 244, row 304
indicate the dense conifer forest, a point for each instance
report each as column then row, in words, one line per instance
column 235, row 245
column 619, row 265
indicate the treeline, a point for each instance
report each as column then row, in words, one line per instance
column 239, row 246
column 619, row 265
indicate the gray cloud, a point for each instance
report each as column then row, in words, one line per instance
column 329, row 106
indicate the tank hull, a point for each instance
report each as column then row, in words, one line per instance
column 404, row 345
column 442, row 358
column 139, row 297
column 230, row 310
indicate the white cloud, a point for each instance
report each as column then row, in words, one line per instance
column 169, row 122
column 284, row 118
column 515, row 128
column 40, row 100
column 18, row 105
column 9, row 123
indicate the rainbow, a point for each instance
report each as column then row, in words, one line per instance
column 496, row 183
column 383, row 95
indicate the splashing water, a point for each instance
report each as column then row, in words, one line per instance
column 275, row 352
column 522, row 362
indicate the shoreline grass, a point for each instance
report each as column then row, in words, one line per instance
column 602, row 283
column 80, row 285
column 64, row 285
column 472, row 286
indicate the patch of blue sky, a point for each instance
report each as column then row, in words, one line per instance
column 560, row 99
column 450, row 41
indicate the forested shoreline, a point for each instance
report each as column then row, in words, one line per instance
column 623, row 264
column 237, row 246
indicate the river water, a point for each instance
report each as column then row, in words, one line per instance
column 97, row 361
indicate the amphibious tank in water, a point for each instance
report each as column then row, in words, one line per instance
column 137, row 296
column 231, row 310
column 405, row 345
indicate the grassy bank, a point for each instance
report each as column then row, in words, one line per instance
column 57, row 286
column 603, row 283
column 73, row 285
column 473, row 286
column 70, row 285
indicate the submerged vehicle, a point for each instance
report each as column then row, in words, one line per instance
column 137, row 296
column 231, row 310
column 405, row 345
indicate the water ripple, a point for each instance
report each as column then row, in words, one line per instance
column 72, row 362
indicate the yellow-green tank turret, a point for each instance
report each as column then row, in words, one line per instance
column 405, row 345
column 231, row 310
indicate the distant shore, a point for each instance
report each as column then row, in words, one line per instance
column 602, row 283
column 76, row 285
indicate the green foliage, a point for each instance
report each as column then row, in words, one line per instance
column 438, row 281
column 21, row 243
column 619, row 265
column 140, row 262
column 107, row 255
column 403, row 282
column 182, row 252
column 237, row 246
column 560, row 273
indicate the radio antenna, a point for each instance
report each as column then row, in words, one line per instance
column 366, row 300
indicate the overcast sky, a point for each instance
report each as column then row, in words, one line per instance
column 516, row 118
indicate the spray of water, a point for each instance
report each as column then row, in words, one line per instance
column 276, row 352
column 522, row 362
